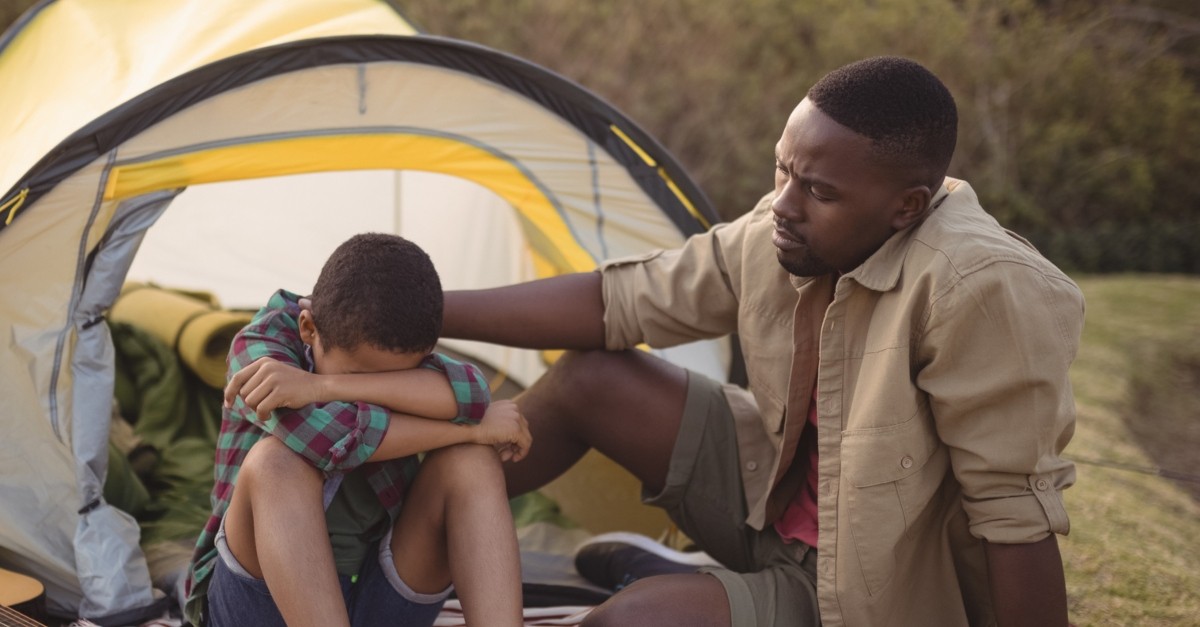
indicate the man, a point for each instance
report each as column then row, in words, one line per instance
column 898, row 460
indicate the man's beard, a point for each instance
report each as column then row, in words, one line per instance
column 807, row 266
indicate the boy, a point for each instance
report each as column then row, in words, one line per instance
column 329, row 522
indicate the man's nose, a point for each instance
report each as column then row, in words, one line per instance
column 786, row 204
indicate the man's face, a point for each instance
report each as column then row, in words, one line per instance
column 834, row 204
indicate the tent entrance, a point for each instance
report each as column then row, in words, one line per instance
column 241, row 240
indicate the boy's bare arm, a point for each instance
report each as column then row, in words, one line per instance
column 267, row 384
column 502, row 426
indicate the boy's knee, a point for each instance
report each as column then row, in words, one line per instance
column 464, row 465
column 272, row 460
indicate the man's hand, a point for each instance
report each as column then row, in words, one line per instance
column 505, row 428
column 267, row 385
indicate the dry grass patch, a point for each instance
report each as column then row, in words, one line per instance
column 1132, row 557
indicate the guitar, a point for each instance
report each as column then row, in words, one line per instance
column 22, row 599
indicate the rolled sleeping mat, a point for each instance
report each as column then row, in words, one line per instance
column 196, row 328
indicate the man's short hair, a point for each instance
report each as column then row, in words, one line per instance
column 381, row 290
column 904, row 109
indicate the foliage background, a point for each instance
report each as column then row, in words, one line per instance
column 1079, row 119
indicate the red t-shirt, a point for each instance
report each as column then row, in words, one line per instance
column 799, row 520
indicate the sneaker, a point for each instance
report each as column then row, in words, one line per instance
column 615, row 560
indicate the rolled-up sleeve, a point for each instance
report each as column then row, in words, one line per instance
column 470, row 387
column 995, row 358
column 670, row 297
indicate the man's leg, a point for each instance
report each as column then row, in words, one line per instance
column 628, row 405
column 276, row 530
column 456, row 526
column 676, row 433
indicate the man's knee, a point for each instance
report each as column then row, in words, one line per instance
column 592, row 376
column 629, row 608
column 692, row 600
column 583, row 370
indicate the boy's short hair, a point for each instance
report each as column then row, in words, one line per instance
column 381, row 290
column 907, row 112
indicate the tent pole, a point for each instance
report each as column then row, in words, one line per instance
column 397, row 201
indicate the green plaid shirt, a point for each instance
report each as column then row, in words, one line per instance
column 334, row 437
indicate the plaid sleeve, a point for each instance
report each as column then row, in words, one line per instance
column 469, row 385
column 337, row 436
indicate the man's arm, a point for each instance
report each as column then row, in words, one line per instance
column 996, row 355
column 1027, row 583
column 560, row 312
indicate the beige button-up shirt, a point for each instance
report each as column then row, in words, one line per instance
column 943, row 399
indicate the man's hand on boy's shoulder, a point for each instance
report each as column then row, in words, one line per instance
column 268, row 384
column 505, row 428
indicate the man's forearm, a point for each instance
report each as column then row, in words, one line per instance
column 1027, row 583
column 564, row 312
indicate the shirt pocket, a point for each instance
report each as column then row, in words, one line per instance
column 766, row 344
column 892, row 473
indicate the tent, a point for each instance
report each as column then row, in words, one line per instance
column 230, row 146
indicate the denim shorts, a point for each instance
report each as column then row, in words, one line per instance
column 377, row 597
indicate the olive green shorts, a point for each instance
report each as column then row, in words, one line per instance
column 769, row 583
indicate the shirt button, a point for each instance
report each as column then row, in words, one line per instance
column 906, row 463
column 751, row 466
column 1042, row 485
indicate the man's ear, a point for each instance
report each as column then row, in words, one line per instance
column 914, row 205
column 308, row 328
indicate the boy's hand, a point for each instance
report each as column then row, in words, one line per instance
column 267, row 384
column 505, row 428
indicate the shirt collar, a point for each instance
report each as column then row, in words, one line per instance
column 881, row 271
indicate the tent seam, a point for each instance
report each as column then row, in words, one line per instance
column 591, row 152
column 76, row 293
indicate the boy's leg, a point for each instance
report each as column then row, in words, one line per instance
column 275, row 528
column 456, row 526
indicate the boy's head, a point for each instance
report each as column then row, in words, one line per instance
column 377, row 305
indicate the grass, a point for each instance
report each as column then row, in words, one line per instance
column 1132, row 557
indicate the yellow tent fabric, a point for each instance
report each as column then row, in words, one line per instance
column 131, row 46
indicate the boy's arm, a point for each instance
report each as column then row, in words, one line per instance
column 441, row 388
column 502, row 426
column 331, row 436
